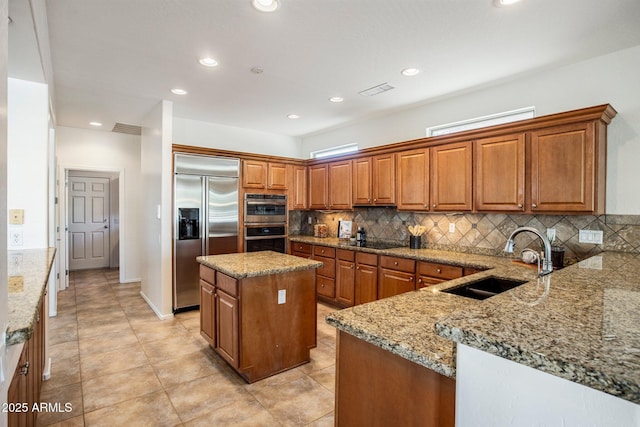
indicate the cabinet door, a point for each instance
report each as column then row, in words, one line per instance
column 366, row 284
column 254, row 174
column 227, row 327
column 18, row 391
column 451, row 177
column 362, row 185
column 340, row 185
column 384, row 179
column 563, row 162
column 392, row 282
column 277, row 176
column 299, row 194
column 413, row 180
column 318, row 180
column 207, row 313
column 345, row 283
column 499, row 173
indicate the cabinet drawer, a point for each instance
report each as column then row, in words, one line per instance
column 208, row 274
column 366, row 258
column 301, row 247
column 425, row 281
column 346, row 255
column 324, row 251
column 400, row 264
column 439, row 271
column 227, row 284
column 328, row 268
column 472, row 270
column 326, row 287
column 301, row 254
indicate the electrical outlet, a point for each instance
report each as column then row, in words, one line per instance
column 15, row 236
column 452, row 227
column 282, row 296
column 309, row 220
column 590, row 236
column 551, row 234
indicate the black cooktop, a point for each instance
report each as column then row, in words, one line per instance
column 380, row 245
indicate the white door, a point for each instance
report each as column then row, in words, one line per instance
column 88, row 223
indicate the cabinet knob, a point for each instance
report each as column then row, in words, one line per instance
column 322, row 251
column 358, row 268
column 395, row 263
column 434, row 205
column 438, row 270
column 411, row 279
column 534, row 206
column 375, row 200
column 368, row 200
column 426, row 205
column 419, row 280
column 322, row 286
column 520, row 205
column 352, row 266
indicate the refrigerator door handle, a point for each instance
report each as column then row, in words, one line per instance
column 205, row 221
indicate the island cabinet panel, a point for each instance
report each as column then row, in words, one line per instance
column 499, row 173
column 451, row 177
column 375, row 387
column 564, row 162
column 318, row 187
column 366, row 280
column 395, row 276
column 340, row 185
column 268, row 326
column 413, row 180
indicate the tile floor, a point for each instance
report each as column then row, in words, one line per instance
column 117, row 364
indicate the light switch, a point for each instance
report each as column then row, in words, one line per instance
column 16, row 216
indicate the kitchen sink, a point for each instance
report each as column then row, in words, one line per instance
column 485, row 288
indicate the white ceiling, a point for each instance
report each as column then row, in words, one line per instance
column 114, row 60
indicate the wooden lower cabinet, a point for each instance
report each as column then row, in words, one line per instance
column 345, row 283
column 208, row 312
column 366, row 280
column 26, row 384
column 257, row 334
column 395, row 276
column 375, row 387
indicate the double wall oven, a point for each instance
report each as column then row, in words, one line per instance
column 265, row 222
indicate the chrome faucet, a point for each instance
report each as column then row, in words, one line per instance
column 547, row 266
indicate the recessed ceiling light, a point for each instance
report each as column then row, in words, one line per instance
column 97, row 124
column 208, row 62
column 293, row 116
column 500, row 3
column 410, row 72
column 265, row 5
column 336, row 99
column 179, row 91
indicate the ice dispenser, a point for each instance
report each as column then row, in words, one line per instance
column 188, row 223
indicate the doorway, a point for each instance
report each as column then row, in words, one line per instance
column 92, row 220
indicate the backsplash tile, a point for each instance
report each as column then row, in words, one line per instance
column 480, row 233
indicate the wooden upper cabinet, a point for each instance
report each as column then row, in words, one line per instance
column 384, row 179
column 413, row 180
column 276, row 176
column 318, row 185
column 254, row 174
column 451, row 177
column 340, row 185
column 298, row 187
column 499, row 173
column 565, row 169
column 362, row 184
column 374, row 180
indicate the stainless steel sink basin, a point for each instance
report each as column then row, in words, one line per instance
column 485, row 288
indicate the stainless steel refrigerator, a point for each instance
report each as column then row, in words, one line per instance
column 205, row 195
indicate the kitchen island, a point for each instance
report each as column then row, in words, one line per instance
column 579, row 324
column 258, row 310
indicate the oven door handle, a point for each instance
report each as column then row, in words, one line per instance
column 260, row 202
column 281, row 236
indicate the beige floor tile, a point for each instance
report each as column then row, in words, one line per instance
column 237, row 414
column 71, row 422
column 67, row 334
column 61, row 396
column 174, row 346
column 204, row 395
column 62, row 320
column 63, row 350
column 326, row 421
column 63, row 372
column 100, row 364
column 98, row 329
column 109, row 390
column 296, row 403
column 101, row 315
column 321, row 357
column 326, row 377
column 158, row 330
column 107, row 342
column 185, row 368
column 152, row 410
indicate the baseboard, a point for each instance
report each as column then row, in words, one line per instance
column 131, row 280
column 155, row 309
column 47, row 370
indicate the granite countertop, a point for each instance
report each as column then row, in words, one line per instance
column 579, row 323
column 252, row 264
column 28, row 275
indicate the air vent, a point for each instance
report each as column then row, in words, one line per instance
column 128, row 129
column 372, row 91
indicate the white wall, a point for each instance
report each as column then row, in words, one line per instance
column 609, row 79
column 28, row 148
column 494, row 392
column 84, row 149
column 221, row 137
column 156, row 199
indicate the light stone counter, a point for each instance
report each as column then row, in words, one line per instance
column 581, row 323
column 28, row 275
column 252, row 264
